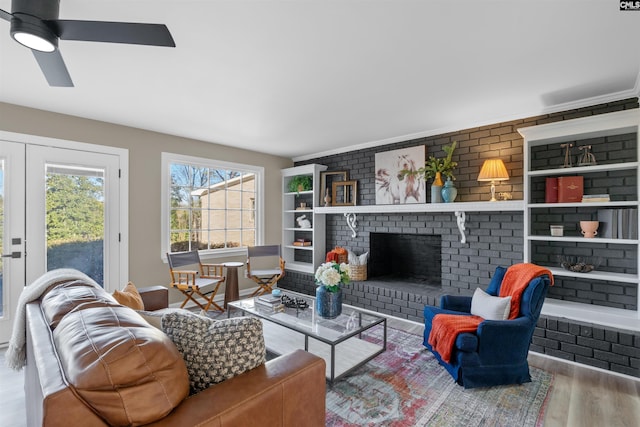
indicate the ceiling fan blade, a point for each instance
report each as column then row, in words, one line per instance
column 53, row 68
column 5, row 15
column 113, row 32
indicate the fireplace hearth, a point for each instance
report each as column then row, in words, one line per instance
column 408, row 259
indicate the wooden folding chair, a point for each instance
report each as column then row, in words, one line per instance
column 190, row 282
column 266, row 278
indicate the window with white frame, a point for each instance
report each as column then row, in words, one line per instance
column 210, row 205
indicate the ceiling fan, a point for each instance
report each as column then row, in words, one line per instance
column 35, row 24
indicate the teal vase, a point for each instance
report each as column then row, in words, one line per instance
column 328, row 304
column 449, row 192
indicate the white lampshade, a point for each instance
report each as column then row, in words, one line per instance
column 493, row 170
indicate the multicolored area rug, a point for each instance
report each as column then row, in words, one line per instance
column 405, row 386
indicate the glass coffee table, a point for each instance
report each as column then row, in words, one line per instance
column 340, row 342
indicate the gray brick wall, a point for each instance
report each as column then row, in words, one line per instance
column 606, row 348
column 492, row 239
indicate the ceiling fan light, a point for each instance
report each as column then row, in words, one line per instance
column 33, row 33
column 33, row 41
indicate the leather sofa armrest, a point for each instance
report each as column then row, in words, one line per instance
column 49, row 400
column 154, row 297
column 288, row 391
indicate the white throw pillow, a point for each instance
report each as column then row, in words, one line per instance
column 354, row 259
column 489, row 307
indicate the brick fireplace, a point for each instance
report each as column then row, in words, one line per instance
column 493, row 238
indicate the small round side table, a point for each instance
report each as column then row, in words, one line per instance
column 231, row 292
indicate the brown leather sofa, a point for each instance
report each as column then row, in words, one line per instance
column 65, row 330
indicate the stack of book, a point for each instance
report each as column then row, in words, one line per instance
column 592, row 198
column 618, row 223
column 269, row 302
column 302, row 242
column 564, row 189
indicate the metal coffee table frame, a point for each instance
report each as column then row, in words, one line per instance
column 348, row 326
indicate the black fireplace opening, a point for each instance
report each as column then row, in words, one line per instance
column 413, row 258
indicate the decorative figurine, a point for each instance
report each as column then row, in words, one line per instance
column 303, row 222
column 327, row 198
column 586, row 158
column 567, row 154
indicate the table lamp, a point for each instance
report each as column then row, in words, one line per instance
column 493, row 170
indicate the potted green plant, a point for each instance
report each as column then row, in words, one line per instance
column 300, row 183
column 444, row 166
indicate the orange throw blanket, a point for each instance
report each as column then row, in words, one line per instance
column 336, row 254
column 516, row 280
column 446, row 327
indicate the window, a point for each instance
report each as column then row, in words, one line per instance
column 209, row 205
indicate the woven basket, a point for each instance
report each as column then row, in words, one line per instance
column 358, row 272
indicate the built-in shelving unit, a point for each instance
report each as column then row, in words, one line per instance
column 615, row 141
column 302, row 258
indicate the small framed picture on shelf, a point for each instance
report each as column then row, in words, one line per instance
column 326, row 180
column 345, row 193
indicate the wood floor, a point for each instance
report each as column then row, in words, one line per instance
column 581, row 397
column 12, row 409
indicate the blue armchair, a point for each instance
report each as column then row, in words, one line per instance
column 497, row 353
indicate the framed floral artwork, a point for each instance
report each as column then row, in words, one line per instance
column 391, row 187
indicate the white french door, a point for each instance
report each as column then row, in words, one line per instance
column 12, row 263
column 64, row 207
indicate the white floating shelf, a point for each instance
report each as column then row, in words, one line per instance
column 584, row 169
column 593, row 314
column 299, row 266
column 304, row 248
column 583, row 205
column 509, row 205
column 584, row 240
column 299, row 194
column 596, row 275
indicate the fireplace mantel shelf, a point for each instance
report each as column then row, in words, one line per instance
column 459, row 209
column 508, row 205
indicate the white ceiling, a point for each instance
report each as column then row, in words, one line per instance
column 301, row 77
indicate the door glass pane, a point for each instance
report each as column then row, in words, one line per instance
column 2, row 296
column 75, row 218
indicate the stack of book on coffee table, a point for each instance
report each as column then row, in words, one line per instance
column 269, row 302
